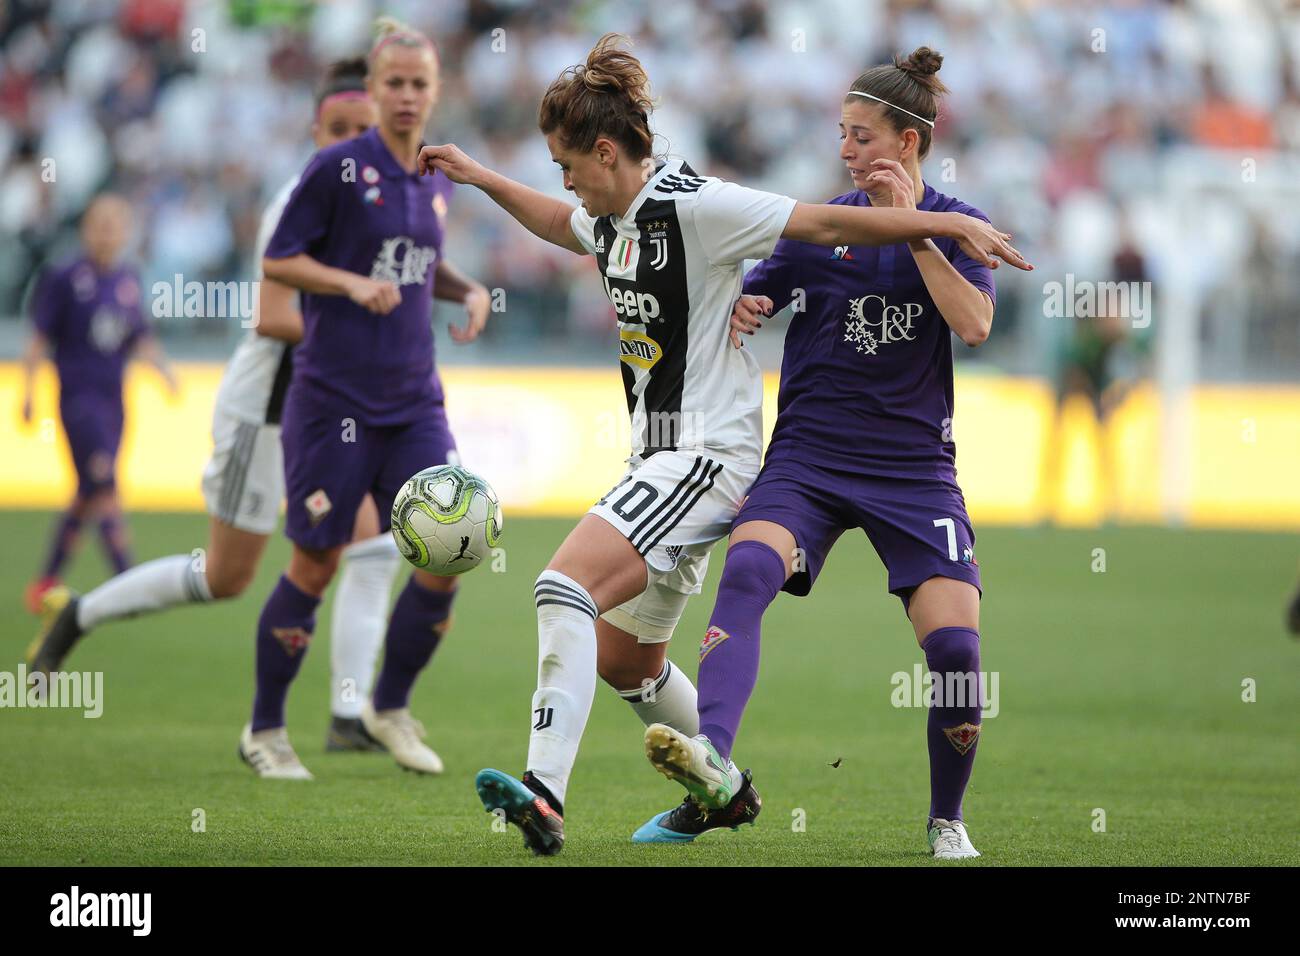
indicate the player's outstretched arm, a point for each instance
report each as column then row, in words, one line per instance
column 827, row 225
column 305, row 273
column 543, row 216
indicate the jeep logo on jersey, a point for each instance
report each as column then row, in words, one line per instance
column 873, row 322
column 637, row 349
column 630, row 305
column 402, row 262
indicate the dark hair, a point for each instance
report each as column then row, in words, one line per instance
column 342, row 76
column 910, row 85
column 609, row 95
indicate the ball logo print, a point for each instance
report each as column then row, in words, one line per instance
column 446, row 520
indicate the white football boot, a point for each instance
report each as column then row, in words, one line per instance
column 271, row 755
column 694, row 763
column 948, row 840
column 403, row 735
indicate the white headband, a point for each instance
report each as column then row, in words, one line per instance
column 889, row 104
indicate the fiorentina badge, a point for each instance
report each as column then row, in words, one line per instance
column 962, row 737
column 318, row 505
column 712, row 638
column 292, row 639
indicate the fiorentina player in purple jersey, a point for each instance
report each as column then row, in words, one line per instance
column 243, row 483
column 88, row 311
column 669, row 245
column 870, row 356
column 362, row 237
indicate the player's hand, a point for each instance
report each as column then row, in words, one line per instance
column 374, row 296
column 478, row 303
column 453, row 161
column 983, row 242
column 746, row 316
column 890, row 174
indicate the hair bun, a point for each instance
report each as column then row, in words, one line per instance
column 922, row 62
column 611, row 68
column 608, row 95
column 350, row 68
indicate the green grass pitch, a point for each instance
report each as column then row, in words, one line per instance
column 1119, row 691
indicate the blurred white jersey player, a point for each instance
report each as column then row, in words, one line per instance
column 243, row 487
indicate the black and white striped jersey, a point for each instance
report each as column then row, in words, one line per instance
column 253, row 386
column 672, row 266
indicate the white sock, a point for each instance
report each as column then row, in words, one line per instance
column 566, row 678
column 670, row 699
column 365, row 584
column 152, row 586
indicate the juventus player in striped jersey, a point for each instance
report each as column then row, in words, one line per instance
column 243, row 483
column 670, row 246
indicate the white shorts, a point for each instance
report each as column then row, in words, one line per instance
column 673, row 507
column 243, row 483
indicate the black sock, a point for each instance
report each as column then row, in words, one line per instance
column 539, row 788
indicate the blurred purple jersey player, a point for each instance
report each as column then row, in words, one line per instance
column 863, row 439
column 88, row 312
column 243, row 482
column 362, row 237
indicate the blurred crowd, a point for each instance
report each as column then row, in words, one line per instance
column 1096, row 132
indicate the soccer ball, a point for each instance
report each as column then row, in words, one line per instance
column 446, row 520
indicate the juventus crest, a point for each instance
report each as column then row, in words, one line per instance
column 657, row 232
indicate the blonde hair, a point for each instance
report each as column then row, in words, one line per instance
column 390, row 31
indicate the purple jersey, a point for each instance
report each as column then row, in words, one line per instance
column 93, row 320
column 355, row 208
column 866, row 381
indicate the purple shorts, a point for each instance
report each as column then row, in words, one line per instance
column 918, row 527
column 94, row 430
column 330, row 462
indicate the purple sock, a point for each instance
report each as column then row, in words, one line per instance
column 112, row 532
column 283, row 634
column 65, row 537
column 414, row 630
column 751, row 580
column 954, row 723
